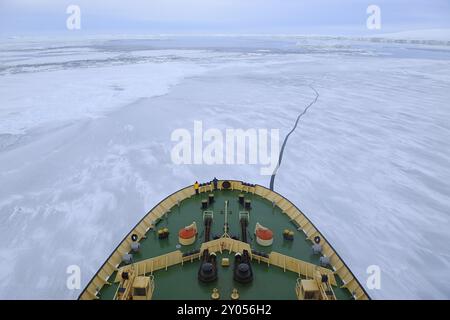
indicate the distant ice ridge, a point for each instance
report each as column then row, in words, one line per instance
column 425, row 35
column 439, row 37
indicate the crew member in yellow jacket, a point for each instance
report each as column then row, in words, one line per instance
column 196, row 186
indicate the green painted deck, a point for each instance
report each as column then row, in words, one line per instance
column 180, row 282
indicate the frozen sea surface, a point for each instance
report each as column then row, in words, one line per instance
column 85, row 147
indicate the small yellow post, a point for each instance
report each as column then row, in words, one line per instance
column 234, row 294
column 215, row 294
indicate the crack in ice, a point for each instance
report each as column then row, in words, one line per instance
column 272, row 178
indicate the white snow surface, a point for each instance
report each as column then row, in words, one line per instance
column 85, row 148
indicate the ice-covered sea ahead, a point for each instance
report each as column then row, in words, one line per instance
column 85, row 146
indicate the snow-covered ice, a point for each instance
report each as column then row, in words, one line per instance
column 85, row 147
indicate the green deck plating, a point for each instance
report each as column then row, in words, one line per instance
column 181, row 282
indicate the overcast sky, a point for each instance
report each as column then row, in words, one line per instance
column 221, row 16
